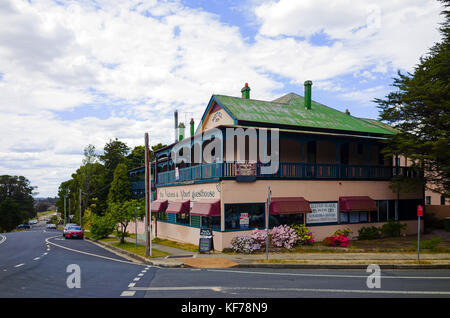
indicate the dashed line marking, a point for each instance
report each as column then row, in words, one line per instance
column 131, row 285
column 136, row 279
column 36, row 258
column 127, row 293
column 18, row 265
column 140, row 274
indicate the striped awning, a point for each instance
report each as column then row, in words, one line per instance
column 159, row 206
column 178, row 207
column 206, row 208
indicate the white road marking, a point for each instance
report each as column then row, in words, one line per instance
column 136, row 279
column 36, row 258
column 140, row 274
column 327, row 275
column 2, row 238
column 18, row 265
column 131, row 285
column 317, row 290
column 44, row 254
column 90, row 254
column 127, row 293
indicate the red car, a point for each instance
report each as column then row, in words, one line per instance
column 74, row 232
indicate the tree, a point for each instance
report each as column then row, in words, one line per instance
column 114, row 153
column 120, row 190
column 420, row 111
column 10, row 215
column 123, row 212
column 19, row 190
column 136, row 158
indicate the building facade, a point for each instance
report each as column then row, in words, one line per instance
column 326, row 170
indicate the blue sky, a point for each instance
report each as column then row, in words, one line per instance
column 74, row 73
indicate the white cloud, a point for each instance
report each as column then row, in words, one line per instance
column 144, row 59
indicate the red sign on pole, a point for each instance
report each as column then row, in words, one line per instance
column 419, row 210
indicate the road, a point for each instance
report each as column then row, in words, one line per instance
column 34, row 263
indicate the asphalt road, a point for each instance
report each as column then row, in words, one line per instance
column 34, row 263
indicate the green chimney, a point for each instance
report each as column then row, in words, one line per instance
column 308, row 85
column 245, row 91
column 181, row 131
column 192, row 127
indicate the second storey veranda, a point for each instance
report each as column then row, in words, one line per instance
column 302, row 156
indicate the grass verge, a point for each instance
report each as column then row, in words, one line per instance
column 140, row 250
column 183, row 246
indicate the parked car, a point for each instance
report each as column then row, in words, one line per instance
column 33, row 222
column 67, row 226
column 51, row 226
column 23, row 226
column 74, row 232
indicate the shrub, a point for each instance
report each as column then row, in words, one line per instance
column 393, row 228
column 244, row 244
column 259, row 236
column 344, row 232
column 339, row 241
column 304, row 234
column 283, row 236
column 430, row 244
column 369, row 233
column 101, row 226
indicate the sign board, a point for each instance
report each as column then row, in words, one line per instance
column 177, row 174
column 245, row 172
column 419, row 210
column 206, row 241
column 244, row 221
column 322, row 212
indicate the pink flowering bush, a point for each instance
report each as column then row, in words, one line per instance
column 244, row 244
column 259, row 236
column 283, row 236
column 340, row 241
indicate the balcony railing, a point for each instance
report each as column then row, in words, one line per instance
column 286, row 170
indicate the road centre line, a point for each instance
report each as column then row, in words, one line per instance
column 327, row 275
column 90, row 254
column 2, row 238
column 320, row 290
column 18, row 265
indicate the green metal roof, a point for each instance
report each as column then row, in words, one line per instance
column 290, row 110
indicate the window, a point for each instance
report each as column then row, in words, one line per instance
column 407, row 209
column 382, row 210
column 288, row 219
column 428, row 200
column 442, row 199
column 391, row 210
column 354, row 217
column 244, row 216
column 212, row 222
column 182, row 218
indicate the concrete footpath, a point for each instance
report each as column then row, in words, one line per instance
column 333, row 260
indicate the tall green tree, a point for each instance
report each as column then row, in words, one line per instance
column 115, row 152
column 120, row 190
column 420, row 110
column 10, row 215
column 19, row 190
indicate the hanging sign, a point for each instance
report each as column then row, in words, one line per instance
column 245, row 172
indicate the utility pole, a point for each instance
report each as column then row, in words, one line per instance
column 65, row 196
column 80, row 207
column 267, row 222
column 148, row 189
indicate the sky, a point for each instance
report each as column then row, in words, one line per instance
column 74, row 73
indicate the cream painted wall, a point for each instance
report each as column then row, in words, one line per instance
column 217, row 118
column 312, row 190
